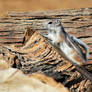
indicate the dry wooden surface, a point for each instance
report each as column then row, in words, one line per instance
column 40, row 56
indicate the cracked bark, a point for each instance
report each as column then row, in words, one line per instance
column 41, row 56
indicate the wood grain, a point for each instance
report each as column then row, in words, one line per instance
column 37, row 55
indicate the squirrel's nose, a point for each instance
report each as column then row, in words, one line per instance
column 45, row 24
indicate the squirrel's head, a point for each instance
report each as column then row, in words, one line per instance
column 54, row 25
column 53, row 30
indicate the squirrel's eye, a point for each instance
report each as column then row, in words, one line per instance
column 58, row 43
column 50, row 23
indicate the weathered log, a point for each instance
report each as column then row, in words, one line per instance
column 13, row 80
column 40, row 56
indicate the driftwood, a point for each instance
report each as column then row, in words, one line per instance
column 40, row 56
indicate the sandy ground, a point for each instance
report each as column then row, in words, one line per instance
column 31, row 5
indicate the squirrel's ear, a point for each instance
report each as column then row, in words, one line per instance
column 29, row 32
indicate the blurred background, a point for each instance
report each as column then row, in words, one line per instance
column 35, row 5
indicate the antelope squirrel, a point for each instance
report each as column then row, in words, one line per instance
column 70, row 47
